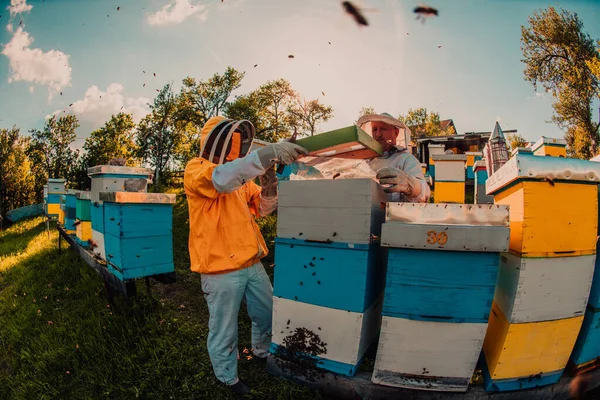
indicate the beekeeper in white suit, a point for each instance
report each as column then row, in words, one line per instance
column 397, row 169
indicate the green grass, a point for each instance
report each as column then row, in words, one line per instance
column 61, row 339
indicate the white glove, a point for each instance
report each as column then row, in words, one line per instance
column 280, row 153
column 400, row 182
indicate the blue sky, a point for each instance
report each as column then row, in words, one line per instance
column 394, row 64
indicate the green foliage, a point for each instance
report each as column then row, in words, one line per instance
column 308, row 114
column 114, row 139
column 158, row 135
column 365, row 111
column 17, row 183
column 50, row 152
column 560, row 56
column 423, row 123
column 515, row 140
column 151, row 347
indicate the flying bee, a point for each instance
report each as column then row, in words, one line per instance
column 424, row 12
column 355, row 12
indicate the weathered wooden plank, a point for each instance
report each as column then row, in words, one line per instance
column 345, row 336
column 346, row 225
column 346, row 279
column 448, row 214
column 522, row 350
column 543, row 289
column 427, row 355
column 465, row 238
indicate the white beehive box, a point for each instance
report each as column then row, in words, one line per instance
column 543, row 289
column 56, row 186
column 344, row 211
column 450, row 167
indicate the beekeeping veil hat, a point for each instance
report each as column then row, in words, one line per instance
column 404, row 132
column 225, row 138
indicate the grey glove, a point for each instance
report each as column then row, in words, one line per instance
column 268, row 183
column 280, row 153
column 400, row 182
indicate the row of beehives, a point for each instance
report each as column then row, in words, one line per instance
column 122, row 224
column 451, row 171
column 439, row 283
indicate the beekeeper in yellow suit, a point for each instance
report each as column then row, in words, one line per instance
column 225, row 243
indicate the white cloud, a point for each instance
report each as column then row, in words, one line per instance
column 178, row 11
column 537, row 95
column 97, row 106
column 18, row 7
column 49, row 68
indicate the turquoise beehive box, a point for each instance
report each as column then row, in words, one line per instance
column 138, row 233
column 70, row 205
column 108, row 178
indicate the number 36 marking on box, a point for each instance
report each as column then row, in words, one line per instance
column 433, row 237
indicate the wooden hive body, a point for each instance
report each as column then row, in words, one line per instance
column 329, row 267
column 480, row 172
column 138, row 233
column 543, row 289
column 108, row 178
column 472, row 158
column 587, row 348
column 441, row 273
column 449, row 178
column 553, row 204
column 550, row 147
column 56, row 186
column 526, row 355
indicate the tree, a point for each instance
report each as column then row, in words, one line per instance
column 158, row 134
column 50, row 151
column 268, row 109
column 307, row 115
column 114, row 139
column 578, row 143
column 202, row 100
column 557, row 54
column 365, row 111
column 17, row 183
column 424, row 123
column 515, row 140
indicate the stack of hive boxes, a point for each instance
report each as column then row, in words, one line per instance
column 434, row 150
column 586, row 354
column 138, row 233
column 107, row 178
column 329, row 270
column 481, row 175
column 472, row 158
column 545, row 280
column 83, row 229
column 449, row 178
column 441, row 273
column 68, row 215
column 55, row 187
column 550, row 147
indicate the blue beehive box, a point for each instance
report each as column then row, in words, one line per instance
column 329, row 269
column 442, row 267
column 70, row 205
column 138, row 233
column 109, row 178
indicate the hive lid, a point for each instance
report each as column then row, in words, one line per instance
column 521, row 150
column 449, row 157
column 73, row 191
column 84, row 195
column 436, row 146
column 115, row 169
column 474, row 153
column 549, row 141
column 448, row 214
column 479, row 164
column 55, row 180
column 523, row 166
column 137, row 197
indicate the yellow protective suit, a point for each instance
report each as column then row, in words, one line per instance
column 223, row 234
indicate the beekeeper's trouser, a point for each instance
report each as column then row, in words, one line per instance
column 224, row 294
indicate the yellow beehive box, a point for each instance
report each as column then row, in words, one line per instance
column 520, row 350
column 553, row 204
column 449, row 192
column 83, row 230
column 53, row 209
column 550, row 147
column 61, row 215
